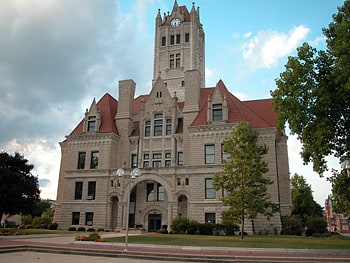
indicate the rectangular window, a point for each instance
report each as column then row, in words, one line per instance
column 167, row 159
column 171, row 61
column 168, row 127
column 180, row 158
column 134, row 161
column 210, row 154
column 225, row 157
column 177, row 60
column 172, row 40
column 217, row 112
column 78, row 191
column 91, row 124
column 187, row 37
column 75, row 218
column 163, row 41
column 178, row 39
column 147, row 128
column 182, row 83
column 89, row 218
column 91, row 190
column 210, row 192
column 158, row 124
column 145, row 160
column 210, row 218
column 160, row 193
column 150, row 192
column 94, row 160
column 81, row 160
column 157, row 160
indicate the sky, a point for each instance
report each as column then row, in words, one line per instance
column 57, row 56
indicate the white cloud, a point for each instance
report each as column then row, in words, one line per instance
column 267, row 47
column 45, row 159
column 320, row 186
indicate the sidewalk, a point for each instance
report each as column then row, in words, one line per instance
column 59, row 246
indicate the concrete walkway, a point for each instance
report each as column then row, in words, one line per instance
column 63, row 248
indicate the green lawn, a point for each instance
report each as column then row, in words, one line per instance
column 32, row 231
column 334, row 242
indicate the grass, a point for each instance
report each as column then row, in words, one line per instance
column 32, row 231
column 291, row 242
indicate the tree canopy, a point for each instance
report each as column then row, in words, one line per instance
column 303, row 203
column 340, row 192
column 242, row 177
column 19, row 189
column 313, row 94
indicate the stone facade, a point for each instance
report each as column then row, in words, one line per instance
column 173, row 135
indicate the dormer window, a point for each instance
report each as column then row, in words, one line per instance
column 158, row 124
column 217, row 112
column 91, row 124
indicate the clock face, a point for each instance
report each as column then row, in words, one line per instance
column 175, row 22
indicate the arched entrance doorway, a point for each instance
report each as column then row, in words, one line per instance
column 154, row 222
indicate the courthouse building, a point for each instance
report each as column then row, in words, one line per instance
column 148, row 159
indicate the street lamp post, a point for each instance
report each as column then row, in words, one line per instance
column 345, row 165
column 133, row 175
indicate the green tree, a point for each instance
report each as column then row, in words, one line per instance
column 313, row 94
column 242, row 177
column 19, row 189
column 303, row 203
column 340, row 192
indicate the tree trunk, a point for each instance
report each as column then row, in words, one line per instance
column 242, row 228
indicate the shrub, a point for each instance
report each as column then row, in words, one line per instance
column 90, row 229
column 100, row 230
column 230, row 228
column 192, row 228
column 81, row 228
column 206, row 228
column 292, row 225
column 53, row 226
column 315, row 225
column 72, row 228
column 27, row 219
column 179, row 225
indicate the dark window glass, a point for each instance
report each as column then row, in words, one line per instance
column 178, row 39
column 171, row 61
column 75, row 218
column 209, row 190
column 89, row 218
column 158, row 124
column 180, row 158
column 94, row 160
column 177, row 60
column 133, row 160
column 172, row 40
column 168, row 126
column 210, row 218
column 217, row 112
column 91, row 124
column 163, row 41
column 210, row 154
column 187, row 37
column 78, row 190
column 81, row 160
column 91, row 190
column 150, row 192
column 161, row 193
column 147, row 128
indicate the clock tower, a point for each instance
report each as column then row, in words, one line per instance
column 179, row 48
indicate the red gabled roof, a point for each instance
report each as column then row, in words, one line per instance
column 108, row 108
column 238, row 111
